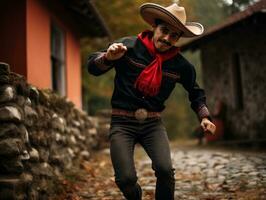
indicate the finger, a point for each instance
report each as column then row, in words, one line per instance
column 118, row 51
column 114, row 50
column 111, row 48
column 116, row 45
column 121, row 48
column 203, row 127
column 120, row 45
column 124, row 48
column 211, row 129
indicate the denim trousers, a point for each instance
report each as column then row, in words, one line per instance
column 151, row 134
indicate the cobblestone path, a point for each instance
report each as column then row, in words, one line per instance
column 201, row 174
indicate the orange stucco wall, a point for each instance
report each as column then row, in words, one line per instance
column 38, row 45
column 39, row 20
column 73, row 64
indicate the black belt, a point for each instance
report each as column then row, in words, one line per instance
column 139, row 114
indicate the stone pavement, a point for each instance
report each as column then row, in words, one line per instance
column 201, row 174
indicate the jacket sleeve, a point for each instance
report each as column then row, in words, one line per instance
column 97, row 64
column 196, row 95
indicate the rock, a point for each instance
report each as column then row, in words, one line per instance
column 7, row 93
column 21, row 100
column 9, row 130
column 30, row 115
column 24, row 134
column 73, row 131
column 11, row 166
column 25, row 155
column 4, row 68
column 4, row 79
column 46, row 169
column 34, row 155
column 72, row 140
column 58, row 123
column 26, row 178
column 34, row 94
column 218, row 167
column 44, row 97
column 10, row 147
column 60, row 139
column 71, row 152
column 196, row 170
column 28, row 102
column 92, row 131
column 44, row 154
column 192, row 162
column 10, row 114
column 211, row 173
column 76, row 123
column 85, row 155
column 37, row 138
column 253, row 173
column 56, row 159
column 42, row 169
column 221, row 179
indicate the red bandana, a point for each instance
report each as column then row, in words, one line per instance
column 149, row 80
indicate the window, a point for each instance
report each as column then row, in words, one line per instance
column 58, row 60
column 237, row 82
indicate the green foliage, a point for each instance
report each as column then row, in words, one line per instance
column 122, row 17
column 207, row 13
column 234, row 6
column 99, row 88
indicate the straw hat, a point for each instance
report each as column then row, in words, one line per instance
column 174, row 15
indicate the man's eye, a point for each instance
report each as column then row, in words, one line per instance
column 164, row 30
column 174, row 35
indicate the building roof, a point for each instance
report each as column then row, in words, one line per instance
column 259, row 7
column 82, row 15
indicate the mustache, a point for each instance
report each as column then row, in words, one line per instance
column 165, row 42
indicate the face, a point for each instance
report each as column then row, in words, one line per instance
column 164, row 37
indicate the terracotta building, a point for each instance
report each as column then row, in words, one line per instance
column 40, row 40
column 234, row 67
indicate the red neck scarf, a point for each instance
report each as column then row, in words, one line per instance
column 149, row 80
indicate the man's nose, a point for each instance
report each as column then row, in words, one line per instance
column 166, row 37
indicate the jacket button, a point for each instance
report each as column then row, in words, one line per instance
column 143, row 97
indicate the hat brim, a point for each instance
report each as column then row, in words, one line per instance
column 151, row 11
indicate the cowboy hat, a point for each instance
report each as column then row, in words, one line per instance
column 174, row 15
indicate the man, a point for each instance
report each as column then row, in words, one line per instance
column 147, row 69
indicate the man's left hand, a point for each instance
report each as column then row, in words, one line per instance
column 208, row 126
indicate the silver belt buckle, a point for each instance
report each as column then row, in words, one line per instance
column 141, row 114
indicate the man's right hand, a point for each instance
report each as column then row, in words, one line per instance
column 115, row 51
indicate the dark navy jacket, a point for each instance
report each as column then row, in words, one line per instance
column 137, row 57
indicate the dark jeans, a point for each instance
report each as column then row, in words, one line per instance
column 151, row 134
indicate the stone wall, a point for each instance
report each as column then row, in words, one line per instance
column 247, row 40
column 41, row 136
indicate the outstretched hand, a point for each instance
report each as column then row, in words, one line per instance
column 115, row 51
column 208, row 126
